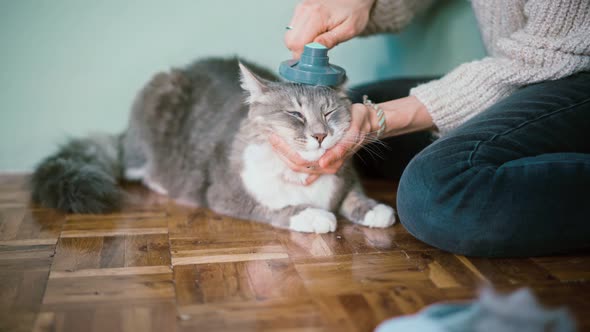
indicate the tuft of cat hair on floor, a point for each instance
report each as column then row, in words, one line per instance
column 519, row 312
column 81, row 177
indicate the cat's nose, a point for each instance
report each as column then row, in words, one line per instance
column 319, row 137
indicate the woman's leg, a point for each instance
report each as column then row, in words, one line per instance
column 512, row 181
column 389, row 159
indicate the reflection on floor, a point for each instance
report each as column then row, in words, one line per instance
column 157, row 266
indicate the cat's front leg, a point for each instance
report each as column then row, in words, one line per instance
column 313, row 220
column 300, row 218
column 297, row 217
column 360, row 209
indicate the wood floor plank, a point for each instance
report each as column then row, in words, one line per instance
column 512, row 271
column 41, row 224
column 108, row 289
column 566, row 268
column 28, row 242
column 147, row 250
column 12, row 181
column 209, row 227
column 10, row 221
column 78, row 253
column 92, row 227
column 284, row 314
column 82, row 253
column 24, row 271
column 446, row 270
column 349, row 273
column 14, row 191
column 112, row 317
column 119, row 271
column 348, row 312
column 22, row 223
column 199, row 236
column 305, row 245
column 237, row 281
column 199, row 257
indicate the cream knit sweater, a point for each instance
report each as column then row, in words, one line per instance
column 527, row 42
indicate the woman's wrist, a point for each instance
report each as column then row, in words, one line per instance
column 402, row 116
column 376, row 117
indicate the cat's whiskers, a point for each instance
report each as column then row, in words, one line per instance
column 365, row 138
column 369, row 143
column 374, row 152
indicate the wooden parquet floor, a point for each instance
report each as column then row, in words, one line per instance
column 157, row 266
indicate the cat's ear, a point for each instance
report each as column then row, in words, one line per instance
column 254, row 85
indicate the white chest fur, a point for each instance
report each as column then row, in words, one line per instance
column 270, row 181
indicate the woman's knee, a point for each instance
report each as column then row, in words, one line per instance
column 438, row 200
column 416, row 204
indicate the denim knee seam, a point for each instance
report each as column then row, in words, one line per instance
column 523, row 124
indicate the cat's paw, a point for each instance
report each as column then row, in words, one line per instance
column 313, row 220
column 380, row 216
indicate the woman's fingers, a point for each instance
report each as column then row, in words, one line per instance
column 360, row 127
column 311, row 179
column 337, row 35
column 328, row 22
column 335, row 154
column 300, row 169
column 296, row 163
column 308, row 22
column 329, row 163
column 293, row 160
column 284, row 149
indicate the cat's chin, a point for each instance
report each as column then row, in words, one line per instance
column 312, row 155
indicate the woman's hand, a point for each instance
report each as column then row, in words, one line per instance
column 360, row 130
column 404, row 115
column 328, row 22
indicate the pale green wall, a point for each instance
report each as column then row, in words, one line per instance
column 69, row 67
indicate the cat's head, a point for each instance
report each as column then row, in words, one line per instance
column 311, row 119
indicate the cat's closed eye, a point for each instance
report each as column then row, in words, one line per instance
column 327, row 114
column 297, row 115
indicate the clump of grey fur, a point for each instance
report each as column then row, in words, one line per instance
column 519, row 312
column 81, row 177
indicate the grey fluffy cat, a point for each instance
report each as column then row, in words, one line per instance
column 193, row 137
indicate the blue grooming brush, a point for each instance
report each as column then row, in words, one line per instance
column 313, row 68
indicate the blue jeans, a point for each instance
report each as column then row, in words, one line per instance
column 512, row 181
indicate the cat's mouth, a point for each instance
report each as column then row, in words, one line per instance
column 315, row 151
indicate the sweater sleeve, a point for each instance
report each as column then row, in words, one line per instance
column 553, row 43
column 393, row 15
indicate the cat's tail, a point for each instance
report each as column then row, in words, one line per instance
column 81, row 177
